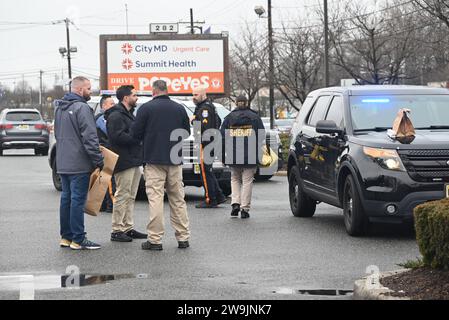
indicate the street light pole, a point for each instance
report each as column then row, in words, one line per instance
column 271, row 65
column 326, row 45
column 68, row 47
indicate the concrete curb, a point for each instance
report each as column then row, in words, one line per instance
column 364, row 290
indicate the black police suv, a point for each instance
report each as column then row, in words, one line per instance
column 341, row 153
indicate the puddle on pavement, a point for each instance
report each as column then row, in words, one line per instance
column 314, row 292
column 46, row 282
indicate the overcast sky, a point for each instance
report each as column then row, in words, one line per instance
column 30, row 41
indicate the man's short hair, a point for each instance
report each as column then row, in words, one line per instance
column 78, row 82
column 241, row 101
column 160, row 85
column 103, row 99
column 124, row 91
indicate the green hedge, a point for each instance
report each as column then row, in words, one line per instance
column 432, row 233
column 285, row 144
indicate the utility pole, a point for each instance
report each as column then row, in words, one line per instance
column 126, row 9
column 326, row 45
column 40, row 89
column 69, row 62
column 192, row 31
column 271, row 65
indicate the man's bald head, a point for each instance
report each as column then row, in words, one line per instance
column 81, row 86
column 199, row 94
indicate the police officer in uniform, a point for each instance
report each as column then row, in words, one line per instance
column 206, row 114
column 243, row 135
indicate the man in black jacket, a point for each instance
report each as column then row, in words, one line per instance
column 243, row 136
column 127, row 170
column 163, row 124
column 206, row 114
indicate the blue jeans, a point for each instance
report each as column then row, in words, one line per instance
column 71, row 212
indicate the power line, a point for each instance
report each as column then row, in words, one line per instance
column 352, row 18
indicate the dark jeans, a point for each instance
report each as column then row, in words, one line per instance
column 73, row 199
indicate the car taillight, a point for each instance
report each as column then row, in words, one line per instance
column 6, row 126
column 41, row 127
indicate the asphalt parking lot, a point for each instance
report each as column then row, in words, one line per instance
column 272, row 255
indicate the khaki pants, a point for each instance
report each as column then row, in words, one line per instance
column 156, row 177
column 242, row 186
column 127, row 184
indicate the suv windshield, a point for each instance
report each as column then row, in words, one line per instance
column 23, row 116
column 378, row 112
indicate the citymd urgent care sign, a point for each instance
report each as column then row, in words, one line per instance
column 183, row 61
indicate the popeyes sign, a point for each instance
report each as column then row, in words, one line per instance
column 183, row 61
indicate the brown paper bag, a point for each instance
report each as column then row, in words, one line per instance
column 402, row 125
column 99, row 183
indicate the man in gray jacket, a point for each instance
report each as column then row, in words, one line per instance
column 77, row 155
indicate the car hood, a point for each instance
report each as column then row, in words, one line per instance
column 424, row 139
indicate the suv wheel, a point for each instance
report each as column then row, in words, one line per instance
column 56, row 178
column 1, row 151
column 355, row 221
column 300, row 203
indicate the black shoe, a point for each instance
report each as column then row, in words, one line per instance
column 221, row 199
column 136, row 234
column 205, row 205
column 151, row 246
column 183, row 244
column 85, row 245
column 120, row 237
column 235, row 210
column 244, row 214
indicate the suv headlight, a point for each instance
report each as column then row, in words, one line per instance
column 386, row 158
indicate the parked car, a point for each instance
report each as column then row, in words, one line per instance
column 23, row 129
column 284, row 125
column 190, row 169
column 280, row 125
column 340, row 153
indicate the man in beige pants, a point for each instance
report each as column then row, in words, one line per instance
column 241, row 130
column 157, row 121
column 127, row 171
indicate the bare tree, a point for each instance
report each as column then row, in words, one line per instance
column 435, row 8
column 298, row 62
column 372, row 47
column 432, row 63
column 247, row 60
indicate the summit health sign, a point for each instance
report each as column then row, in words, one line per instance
column 183, row 61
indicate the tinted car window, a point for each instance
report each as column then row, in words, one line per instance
column 23, row 116
column 319, row 110
column 380, row 111
column 335, row 112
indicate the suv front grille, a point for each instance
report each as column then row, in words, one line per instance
column 426, row 165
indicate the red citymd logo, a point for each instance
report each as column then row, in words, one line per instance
column 127, row 48
column 127, row 64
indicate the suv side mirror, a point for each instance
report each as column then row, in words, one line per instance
column 329, row 127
